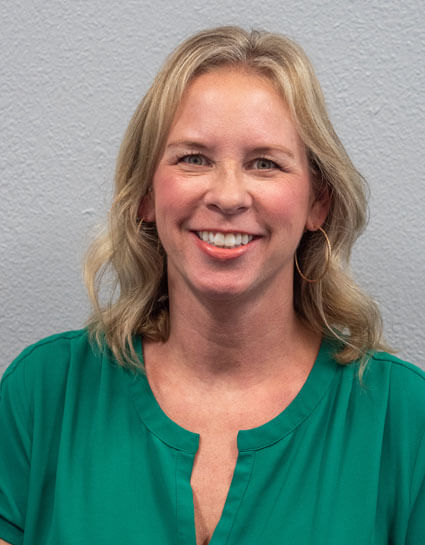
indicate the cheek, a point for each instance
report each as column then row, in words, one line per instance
column 165, row 191
column 174, row 197
column 290, row 205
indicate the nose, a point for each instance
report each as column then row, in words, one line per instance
column 227, row 192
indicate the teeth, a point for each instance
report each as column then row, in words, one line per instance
column 219, row 239
column 228, row 240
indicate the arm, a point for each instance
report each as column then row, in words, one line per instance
column 15, row 448
column 416, row 527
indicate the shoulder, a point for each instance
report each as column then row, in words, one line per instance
column 385, row 359
column 400, row 375
column 60, row 375
column 49, row 359
column 390, row 394
column 397, row 388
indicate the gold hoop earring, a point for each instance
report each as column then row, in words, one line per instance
column 328, row 259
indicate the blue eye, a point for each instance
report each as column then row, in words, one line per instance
column 265, row 164
column 195, row 159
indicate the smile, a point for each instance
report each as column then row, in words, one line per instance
column 224, row 240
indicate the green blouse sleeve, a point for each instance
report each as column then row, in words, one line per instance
column 416, row 527
column 15, row 450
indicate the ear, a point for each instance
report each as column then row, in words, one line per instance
column 319, row 210
column 146, row 208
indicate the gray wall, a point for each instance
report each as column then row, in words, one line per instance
column 72, row 74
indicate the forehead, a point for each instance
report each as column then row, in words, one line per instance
column 233, row 102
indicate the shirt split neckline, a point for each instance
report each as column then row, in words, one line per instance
column 310, row 395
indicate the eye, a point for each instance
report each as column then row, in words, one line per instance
column 195, row 159
column 262, row 163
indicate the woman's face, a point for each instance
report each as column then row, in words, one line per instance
column 232, row 193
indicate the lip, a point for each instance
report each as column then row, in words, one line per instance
column 225, row 231
column 224, row 254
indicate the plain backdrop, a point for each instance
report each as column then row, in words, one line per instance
column 72, row 73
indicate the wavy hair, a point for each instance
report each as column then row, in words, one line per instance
column 128, row 254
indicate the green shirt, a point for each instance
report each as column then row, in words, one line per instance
column 88, row 457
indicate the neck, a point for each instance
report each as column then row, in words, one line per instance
column 236, row 344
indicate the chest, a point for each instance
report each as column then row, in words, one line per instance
column 310, row 487
column 328, row 476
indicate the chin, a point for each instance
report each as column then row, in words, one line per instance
column 223, row 291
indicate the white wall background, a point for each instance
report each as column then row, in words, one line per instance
column 72, row 72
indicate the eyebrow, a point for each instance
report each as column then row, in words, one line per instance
column 268, row 149
column 186, row 144
column 259, row 149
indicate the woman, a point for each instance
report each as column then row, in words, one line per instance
column 265, row 413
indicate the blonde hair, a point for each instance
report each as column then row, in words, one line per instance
column 131, row 254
